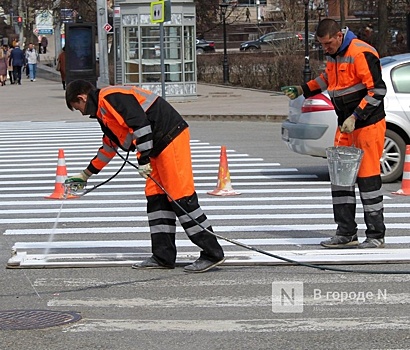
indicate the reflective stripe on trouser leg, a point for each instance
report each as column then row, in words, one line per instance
column 162, row 224
column 203, row 239
column 344, row 209
column 372, row 199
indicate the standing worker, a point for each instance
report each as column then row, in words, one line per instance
column 354, row 82
column 138, row 120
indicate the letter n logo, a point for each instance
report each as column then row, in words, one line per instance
column 287, row 297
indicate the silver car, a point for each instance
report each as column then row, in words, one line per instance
column 311, row 124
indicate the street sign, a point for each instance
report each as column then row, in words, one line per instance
column 107, row 27
column 157, row 11
column 45, row 31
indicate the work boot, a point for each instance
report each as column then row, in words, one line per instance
column 340, row 242
column 150, row 263
column 372, row 243
column 202, row 265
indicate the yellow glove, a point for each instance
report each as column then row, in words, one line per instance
column 348, row 125
column 145, row 170
column 292, row 91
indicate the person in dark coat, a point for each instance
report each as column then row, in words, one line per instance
column 61, row 66
column 17, row 60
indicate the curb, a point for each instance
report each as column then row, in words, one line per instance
column 235, row 117
column 49, row 73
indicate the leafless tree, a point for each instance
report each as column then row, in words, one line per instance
column 382, row 39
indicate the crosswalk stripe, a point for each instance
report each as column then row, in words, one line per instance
column 217, row 228
column 186, row 243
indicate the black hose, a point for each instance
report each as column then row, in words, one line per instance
column 111, row 177
column 294, row 262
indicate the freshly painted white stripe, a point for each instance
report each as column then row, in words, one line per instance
column 273, row 325
column 22, row 159
column 40, row 166
column 208, row 199
column 124, row 209
column 82, row 147
column 233, row 258
column 197, row 162
column 218, row 229
column 23, row 152
column 141, row 193
column 109, row 209
column 198, row 184
column 130, row 218
column 129, row 180
column 19, row 246
column 27, row 168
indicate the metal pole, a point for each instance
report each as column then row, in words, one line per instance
column 102, row 41
column 162, row 51
column 307, row 73
column 225, row 64
column 21, row 32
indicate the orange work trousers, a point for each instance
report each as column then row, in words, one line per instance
column 371, row 140
column 172, row 168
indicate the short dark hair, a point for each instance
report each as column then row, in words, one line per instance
column 75, row 88
column 327, row 26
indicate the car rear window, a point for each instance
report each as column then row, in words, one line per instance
column 400, row 78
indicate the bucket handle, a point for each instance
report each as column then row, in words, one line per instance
column 340, row 135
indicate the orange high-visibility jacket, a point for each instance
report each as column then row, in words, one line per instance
column 354, row 82
column 133, row 119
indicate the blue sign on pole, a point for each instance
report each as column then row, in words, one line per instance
column 45, row 31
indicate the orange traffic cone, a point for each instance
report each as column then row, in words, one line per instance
column 224, row 186
column 405, row 182
column 61, row 176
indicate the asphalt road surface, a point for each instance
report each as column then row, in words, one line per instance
column 284, row 205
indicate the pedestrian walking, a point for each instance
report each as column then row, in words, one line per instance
column 354, row 82
column 17, row 61
column 135, row 119
column 3, row 66
column 9, row 65
column 248, row 15
column 61, row 66
column 44, row 44
column 32, row 58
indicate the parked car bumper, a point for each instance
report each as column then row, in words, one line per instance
column 306, row 138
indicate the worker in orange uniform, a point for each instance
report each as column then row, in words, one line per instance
column 138, row 120
column 354, row 82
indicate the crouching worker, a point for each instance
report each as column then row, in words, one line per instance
column 138, row 120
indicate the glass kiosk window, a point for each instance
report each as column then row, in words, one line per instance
column 142, row 53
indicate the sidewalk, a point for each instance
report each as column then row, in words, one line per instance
column 43, row 100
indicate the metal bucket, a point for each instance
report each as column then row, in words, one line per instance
column 343, row 163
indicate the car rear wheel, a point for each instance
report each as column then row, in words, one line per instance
column 392, row 160
column 199, row 51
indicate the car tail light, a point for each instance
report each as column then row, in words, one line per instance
column 317, row 103
column 211, row 44
column 300, row 37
